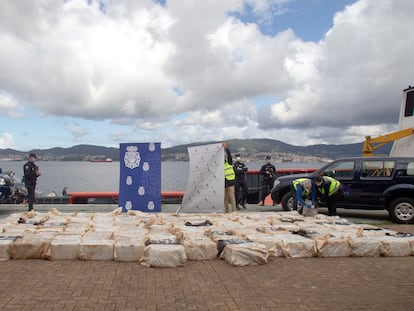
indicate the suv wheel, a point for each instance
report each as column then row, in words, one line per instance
column 402, row 210
column 287, row 201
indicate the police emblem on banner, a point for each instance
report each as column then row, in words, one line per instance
column 132, row 157
column 140, row 177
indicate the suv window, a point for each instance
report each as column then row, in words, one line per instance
column 342, row 170
column 374, row 169
column 410, row 169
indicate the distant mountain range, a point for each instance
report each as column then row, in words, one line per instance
column 249, row 149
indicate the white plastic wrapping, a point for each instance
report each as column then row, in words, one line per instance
column 96, row 250
column 64, row 247
column 333, row 247
column 245, row 254
column 167, row 240
column 129, row 248
column 164, row 256
column 200, row 248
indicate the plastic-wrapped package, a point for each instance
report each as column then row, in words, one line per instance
column 365, row 247
column 309, row 212
column 129, row 248
column 393, row 246
column 164, row 255
column 64, row 247
column 200, row 248
column 272, row 243
column 245, row 254
column 296, row 246
column 98, row 235
column 168, row 240
column 222, row 235
column 99, row 249
column 4, row 246
column 333, row 247
column 30, row 247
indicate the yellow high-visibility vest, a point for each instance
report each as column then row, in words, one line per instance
column 229, row 171
column 333, row 187
column 298, row 181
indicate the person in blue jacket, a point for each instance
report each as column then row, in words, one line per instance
column 304, row 192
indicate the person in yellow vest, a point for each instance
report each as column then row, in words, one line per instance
column 327, row 188
column 304, row 192
column 229, row 181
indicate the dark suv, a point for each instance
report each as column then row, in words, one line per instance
column 367, row 183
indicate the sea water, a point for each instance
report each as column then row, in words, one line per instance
column 104, row 176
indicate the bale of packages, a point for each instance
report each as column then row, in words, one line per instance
column 365, row 247
column 164, row 255
column 309, row 211
column 394, row 246
column 201, row 248
column 296, row 246
column 272, row 243
column 245, row 254
column 99, row 249
column 167, row 240
column 64, row 247
column 129, row 248
column 5, row 242
column 29, row 247
column 333, row 247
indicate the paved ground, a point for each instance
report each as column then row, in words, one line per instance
column 282, row 284
column 384, row 283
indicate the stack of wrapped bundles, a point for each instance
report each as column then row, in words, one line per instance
column 162, row 247
column 129, row 238
column 169, row 240
column 196, row 244
column 243, row 252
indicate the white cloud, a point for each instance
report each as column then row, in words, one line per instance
column 76, row 131
column 358, row 70
column 9, row 107
column 6, row 140
column 190, row 70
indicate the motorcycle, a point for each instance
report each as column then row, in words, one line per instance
column 12, row 191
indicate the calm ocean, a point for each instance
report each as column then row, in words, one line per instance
column 87, row 176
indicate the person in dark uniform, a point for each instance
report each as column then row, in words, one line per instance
column 30, row 174
column 241, row 189
column 269, row 175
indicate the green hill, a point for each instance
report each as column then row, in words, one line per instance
column 252, row 149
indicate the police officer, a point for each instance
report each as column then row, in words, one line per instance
column 229, row 181
column 241, row 189
column 303, row 192
column 30, row 174
column 269, row 175
column 327, row 188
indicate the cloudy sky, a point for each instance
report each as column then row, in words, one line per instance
column 180, row 71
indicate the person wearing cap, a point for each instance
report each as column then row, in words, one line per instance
column 304, row 192
column 241, row 190
column 30, row 174
column 326, row 188
column 269, row 175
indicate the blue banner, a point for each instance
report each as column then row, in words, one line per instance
column 140, row 177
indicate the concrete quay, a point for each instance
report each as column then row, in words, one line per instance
column 348, row 283
column 356, row 216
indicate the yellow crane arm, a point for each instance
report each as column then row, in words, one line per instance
column 371, row 144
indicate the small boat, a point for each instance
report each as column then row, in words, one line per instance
column 101, row 160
